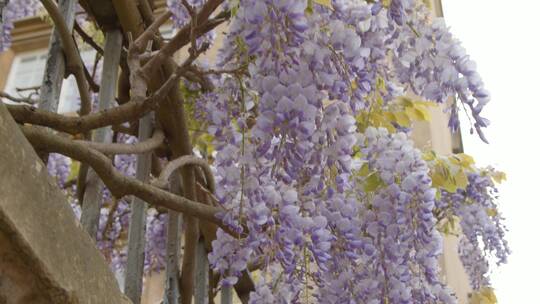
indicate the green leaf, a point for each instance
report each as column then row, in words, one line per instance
column 364, row 171
column 405, row 101
column 430, row 155
column 386, row 3
column 423, row 112
column 485, row 295
column 491, row 212
column 450, row 185
column 380, row 84
column 461, row 179
column 418, row 112
column 437, row 179
column 309, row 8
column 234, row 5
column 74, row 170
column 462, row 160
column 402, row 119
column 327, row 3
column 372, row 182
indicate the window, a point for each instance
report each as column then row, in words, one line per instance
column 27, row 72
column 167, row 32
column 28, row 68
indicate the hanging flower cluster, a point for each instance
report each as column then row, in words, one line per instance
column 311, row 150
column 330, row 208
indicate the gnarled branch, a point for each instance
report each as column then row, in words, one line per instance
column 81, row 124
column 75, row 125
column 186, row 160
column 86, row 38
column 183, row 37
column 119, row 184
column 27, row 100
column 150, row 32
column 138, row 148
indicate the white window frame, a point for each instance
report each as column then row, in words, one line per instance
column 10, row 87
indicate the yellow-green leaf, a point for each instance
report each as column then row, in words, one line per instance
column 354, row 85
column 430, row 155
column 372, row 182
column 461, row 179
column 405, row 101
column 413, row 114
column 402, row 119
column 466, row 160
column 380, row 84
column 364, row 171
column 499, row 176
column 74, row 170
column 485, row 295
column 455, row 160
column 389, row 127
column 386, row 3
column 491, row 212
column 422, row 112
column 390, row 116
column 450, row 185
column 437, row 179
column 327, row 3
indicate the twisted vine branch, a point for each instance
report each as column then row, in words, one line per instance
column 119, row 184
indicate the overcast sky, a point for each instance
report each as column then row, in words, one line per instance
column 503, row 37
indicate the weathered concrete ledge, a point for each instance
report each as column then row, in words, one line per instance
column 45, row 256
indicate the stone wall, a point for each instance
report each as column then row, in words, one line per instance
column 45, row 256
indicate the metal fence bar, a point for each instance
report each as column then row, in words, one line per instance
column 137, row 223
column 109, row 78
column 172, row 293
column 201, row 274
column 226, row 295
column 3, row 4
column 49, row 93
column 55, row 65
column 174, row 241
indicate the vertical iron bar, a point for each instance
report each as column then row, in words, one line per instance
column 3, row 5
column 137, row 223
column 51, row 85
column 201, row 274
column 109, row 78
column 174, row 225
column 226, row 295
column 55, row 65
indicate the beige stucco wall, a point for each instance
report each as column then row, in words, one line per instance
column 436, row 135
column 6, row 59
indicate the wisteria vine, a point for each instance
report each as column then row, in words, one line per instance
column 311, row 150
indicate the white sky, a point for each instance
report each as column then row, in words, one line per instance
column 503, row 37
